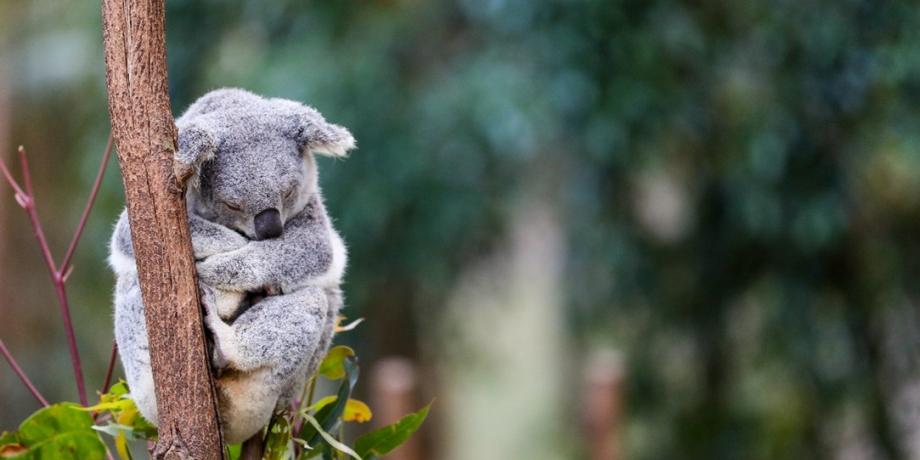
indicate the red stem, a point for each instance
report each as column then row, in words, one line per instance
column 10, row 180
column 108, row 372
column 29, row 205
column 65, row 263
column 21, row 374
column 59, row 274
column 56, row 277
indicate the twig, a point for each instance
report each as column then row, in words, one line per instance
column 65, row 263
column 108, row 372
column 56, row 278
column 29, row 206
column 25, row 196
column 22, row 375
column 9, row 179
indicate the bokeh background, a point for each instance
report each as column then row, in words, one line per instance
column 716, row 202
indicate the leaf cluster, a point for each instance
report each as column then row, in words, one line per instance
column 311, row 430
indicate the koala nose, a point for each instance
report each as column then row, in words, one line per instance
column 268, row 224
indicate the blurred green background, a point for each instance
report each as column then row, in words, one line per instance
column 719, row 200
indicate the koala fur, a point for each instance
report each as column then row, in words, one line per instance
column 269, row 262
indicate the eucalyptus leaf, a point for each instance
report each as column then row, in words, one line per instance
column 384, row 440
column 278, row 443
column 333, row 365
column 357, row 411
column 233, row 451
column 330, row 415
column 61, row 431
column 330, row 440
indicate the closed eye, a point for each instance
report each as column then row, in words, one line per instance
column 289, row 193
column 232, row 206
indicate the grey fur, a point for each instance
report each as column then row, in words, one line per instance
column 253, row 154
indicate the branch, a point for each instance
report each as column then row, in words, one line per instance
column 108, row 372
column 22, row 375
column 145, row 135
column 78, row 232
column 25, row 196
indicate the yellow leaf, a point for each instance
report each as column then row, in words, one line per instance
column 356, row 411
column 127, row 415
column 333, row 365
column 118, row 405
column 121, row 444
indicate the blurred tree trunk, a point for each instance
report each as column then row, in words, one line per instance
column 506, row 325
column 6, row 315
column 145, row 136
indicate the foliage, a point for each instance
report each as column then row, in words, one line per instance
column 59, row 431
column 384, row 440
column 67, row 430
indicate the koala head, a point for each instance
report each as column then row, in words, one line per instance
column 249, row 160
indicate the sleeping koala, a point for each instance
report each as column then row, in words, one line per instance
column 269, row 262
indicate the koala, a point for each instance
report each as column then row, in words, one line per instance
column 269, row 262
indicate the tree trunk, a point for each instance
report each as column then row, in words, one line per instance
column 145, row 137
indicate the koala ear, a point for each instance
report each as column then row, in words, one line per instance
column 196, row 145
column 315, row 135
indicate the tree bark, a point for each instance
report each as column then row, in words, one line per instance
column 145, row 136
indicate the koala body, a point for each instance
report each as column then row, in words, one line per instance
column 269, row 262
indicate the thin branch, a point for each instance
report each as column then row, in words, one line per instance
column 71, row 341
column 29, row 206
column 22, row 375
column 65, row 263
column 26, row 199
column 108, row 372
column 9, row 179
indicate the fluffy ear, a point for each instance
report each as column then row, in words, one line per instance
column 314, row 134
column 324, row 138
column 196, row 145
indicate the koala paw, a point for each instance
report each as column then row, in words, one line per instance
column 229, row 270
column 219, row 362
column 222, row 334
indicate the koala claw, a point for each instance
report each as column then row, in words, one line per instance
column 221, row 333
column 219, row 363
column 228, row 270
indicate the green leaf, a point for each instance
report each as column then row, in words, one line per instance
column 233, row 451
column 382, row 441
column 278, row 443
column 127, row 419
column 319, row 405
column 8, row 437
column 330, row 415
column 61, row 431
column 333, row 365
column 330, row 439
column 119, row 389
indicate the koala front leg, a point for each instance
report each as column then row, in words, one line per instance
column 281, row 333
column 308, row 253
column 242, row 270
column 209, row 238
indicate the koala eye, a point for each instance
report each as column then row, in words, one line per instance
column 289, row 193
column 232, row 207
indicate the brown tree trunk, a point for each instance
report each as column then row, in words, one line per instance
column 145, row 137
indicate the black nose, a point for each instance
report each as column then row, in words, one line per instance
column 268, row 224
